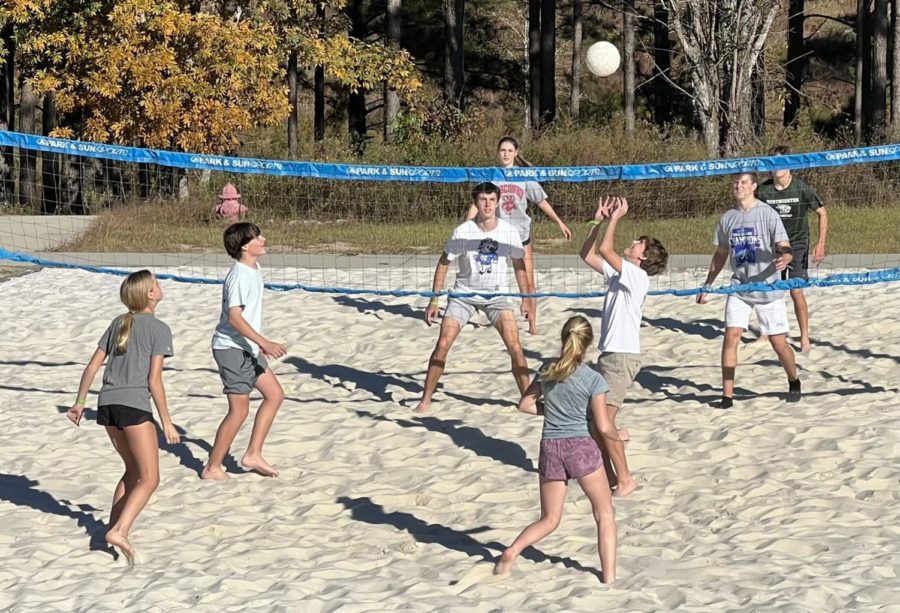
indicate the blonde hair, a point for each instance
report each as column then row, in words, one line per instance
column 577, row 336
column 134, row 294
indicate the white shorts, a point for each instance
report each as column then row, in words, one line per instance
column 772, row 316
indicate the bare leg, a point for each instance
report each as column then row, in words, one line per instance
column 801, row 310
column 553, row 495
column 616, row 452
column 143, row 446
column 238, row 409
column 607, row 460
column 596, row 488
column 729, row 359
column 273, row 396
column 785, row 355
column 509, row 332
column 532, row 287
column 129, row 478
column 450, row 329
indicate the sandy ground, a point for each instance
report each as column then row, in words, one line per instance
column 768, row 507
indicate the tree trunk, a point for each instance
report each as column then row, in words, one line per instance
column 292, row 103
column 534, row 62
column 662, row 59
column 576, row 59
column 391, row 99
column 454, row 58
column 796, row 62
column 8, row 116
column 879, row 83
column 548, row 62
column 356, row 98
column 860, row 82
column 319, row 89
column 29, row 195
column 895, row 69
column 758, row 85
column 628, row 24
column 50, row 167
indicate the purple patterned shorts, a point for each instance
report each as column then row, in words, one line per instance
column 568, row 458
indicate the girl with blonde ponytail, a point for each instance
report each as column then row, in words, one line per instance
column 136, row 344
column 574, row 403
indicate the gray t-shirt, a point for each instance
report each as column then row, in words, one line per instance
column 244, row 288
column 567, row 403
column 125, row 379
column 751, row 236
column 514, row 201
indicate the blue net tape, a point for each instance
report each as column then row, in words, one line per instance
column 858, row 278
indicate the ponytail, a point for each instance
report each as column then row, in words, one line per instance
column 135, row 294
column 124, row 334
column 577, row 336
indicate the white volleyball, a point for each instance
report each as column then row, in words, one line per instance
column 602, row 59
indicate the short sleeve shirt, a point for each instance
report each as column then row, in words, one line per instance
column 482, row 256
column 126, row 377
column 623, row 307
column 751, row 237
column 514, row 200
column 243, row 288
column 567, row 403
column 793, row 204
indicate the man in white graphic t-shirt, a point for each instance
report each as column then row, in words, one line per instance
column 481, row 247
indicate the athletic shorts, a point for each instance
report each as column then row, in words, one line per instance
column 239, row 370
column 799, row 266
column 619, row 370
column 772, row 316
column 462, row 310
column 562, row 459
column 119, row 416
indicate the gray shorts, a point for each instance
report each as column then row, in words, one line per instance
column 462, row 309
column 239, row 370
column 619, row 370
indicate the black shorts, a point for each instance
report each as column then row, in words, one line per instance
column 799, row 266
column 527, row 241
column 119, row 416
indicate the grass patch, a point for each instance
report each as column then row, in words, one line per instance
column 166, row 229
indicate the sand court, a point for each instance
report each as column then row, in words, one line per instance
column 765, row 507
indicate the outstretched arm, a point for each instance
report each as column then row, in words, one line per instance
column 715, row 267
column 549, row 212
column 588, row 254
column 607, row 247
column 530, row 402
column 818, row 253
column 437, row 284
column 524, row 286
column 87, row 379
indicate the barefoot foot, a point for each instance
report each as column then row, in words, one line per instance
column 214, row 474
column 625, row 488
column 423, row 406
column 258, row 464
column 121, row 543
column 505, row 563
column 805, row 345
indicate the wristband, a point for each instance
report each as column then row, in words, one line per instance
column 707, row 288
column 435, row 301
column 80, row 402
column 593, row 223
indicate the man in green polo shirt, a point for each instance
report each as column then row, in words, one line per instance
column 793, row 198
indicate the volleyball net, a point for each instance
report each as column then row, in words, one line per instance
column 355, row 228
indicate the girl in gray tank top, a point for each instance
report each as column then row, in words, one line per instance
column 134, row 347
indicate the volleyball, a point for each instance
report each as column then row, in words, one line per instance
column 602, row 59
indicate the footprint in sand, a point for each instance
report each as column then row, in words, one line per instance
column 483, row 572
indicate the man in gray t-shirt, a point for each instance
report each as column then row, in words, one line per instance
column 752, row 236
